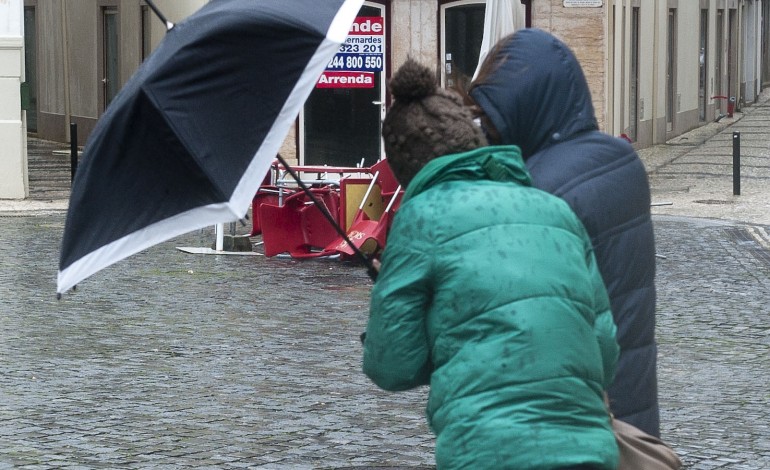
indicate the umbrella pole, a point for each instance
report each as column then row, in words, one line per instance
column 325, row 211
column 155, row 9
column 220, row 241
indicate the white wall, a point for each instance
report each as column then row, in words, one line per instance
column 13, row 151
column 174, row 11
column 653, row 64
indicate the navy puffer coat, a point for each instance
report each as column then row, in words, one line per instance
column 537, row 97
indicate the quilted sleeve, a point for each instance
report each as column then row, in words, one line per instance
column 396, row 348
column 604, row 325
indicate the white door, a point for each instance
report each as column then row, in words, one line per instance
column 462, row 32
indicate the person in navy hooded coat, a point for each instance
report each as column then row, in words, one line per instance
column 531, row 92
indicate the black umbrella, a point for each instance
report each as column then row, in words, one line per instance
column 190, row 137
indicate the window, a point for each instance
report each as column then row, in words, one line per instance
column 30, row 64
column 110, row 63
column 703, row 65
column 462, row 26
column 633, row 90
column 718, row 69
column 671, row 108
column 146, row 32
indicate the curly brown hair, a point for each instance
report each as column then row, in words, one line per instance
column 491, row 62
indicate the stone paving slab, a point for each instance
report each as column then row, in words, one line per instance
column 172, row 360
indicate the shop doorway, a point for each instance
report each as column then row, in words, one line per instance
column 461, row 37
column 732, row 54
column 462, row 28
column 765, row 28
column 342, row 126
column 634, row 113
column 703, row 64
column 719, row 62
column 671, row 55
column 109, row 56
column 30, row 65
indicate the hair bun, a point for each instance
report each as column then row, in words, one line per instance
column 413, row 81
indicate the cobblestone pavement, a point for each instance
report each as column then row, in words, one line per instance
column 714, row 342
column 693, row 173
column 176, row 360
column 50, row 170
column 171, row 360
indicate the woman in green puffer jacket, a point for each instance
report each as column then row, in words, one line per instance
column 503, row 312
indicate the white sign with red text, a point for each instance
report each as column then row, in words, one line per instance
column 359, row 58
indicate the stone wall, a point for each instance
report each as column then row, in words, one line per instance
column 584, row 31
column 414, row 32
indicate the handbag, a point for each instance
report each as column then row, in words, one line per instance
column 641, row 451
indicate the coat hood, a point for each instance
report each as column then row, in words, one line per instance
column 535, row 93
column 498, row 163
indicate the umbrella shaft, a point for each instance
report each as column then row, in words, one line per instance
column 155, row 9
column 325, row 211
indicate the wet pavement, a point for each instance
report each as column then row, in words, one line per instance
column 173, row 360
column 713, row 334
column 693, row 174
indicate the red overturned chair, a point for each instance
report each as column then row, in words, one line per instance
column 360, row 200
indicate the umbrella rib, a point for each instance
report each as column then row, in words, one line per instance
column 325, row 211
column 152, row 98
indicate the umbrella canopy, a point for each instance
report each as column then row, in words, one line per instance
column 190, row 137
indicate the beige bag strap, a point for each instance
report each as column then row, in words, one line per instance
column 641, row 451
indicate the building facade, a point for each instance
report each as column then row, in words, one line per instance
column 674, row 65
column 80, row 52
column 13, row 151
column 656, row 68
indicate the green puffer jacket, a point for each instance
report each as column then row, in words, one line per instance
column 489, row 291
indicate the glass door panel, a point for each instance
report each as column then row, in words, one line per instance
column 462, row 25
column 110, row 37
column 703, row 64
column 341, row 126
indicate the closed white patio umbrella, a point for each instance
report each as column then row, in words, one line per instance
column 501, row 18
